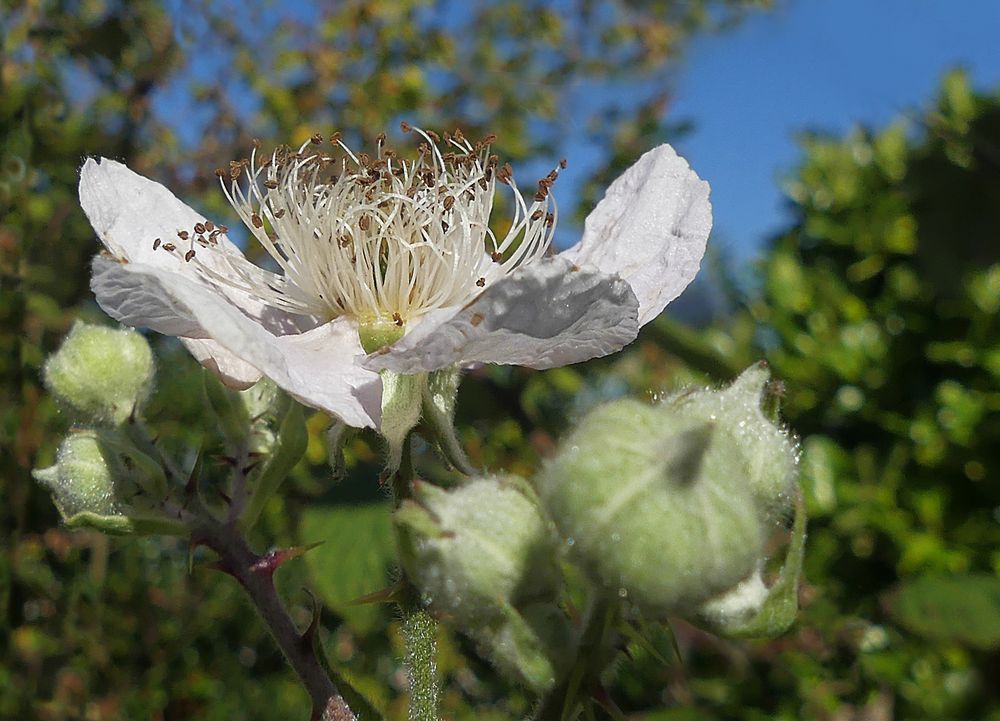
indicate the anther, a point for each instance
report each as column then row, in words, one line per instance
column 189, row 255
column 271, row 184
column 199, row 228
column 209, row 226
column 405, row 127
column 183, row 234
column 156, row 244
column 397, row 319
column 496, row 256
column 257, row 222
column 481, row 282
column 316, row 139
column 169, row 247
column 536, row 215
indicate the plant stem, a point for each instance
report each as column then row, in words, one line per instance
column 420, row 635
column 237, row 559
column 419, row 627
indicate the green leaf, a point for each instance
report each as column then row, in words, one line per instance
column 961, row 609
column 357, row 550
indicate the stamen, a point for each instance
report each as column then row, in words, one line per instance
column 373, row 238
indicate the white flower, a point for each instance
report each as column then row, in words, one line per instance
column 398, row 253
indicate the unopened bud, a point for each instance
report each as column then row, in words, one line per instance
column 83, row 479
column 102, row 374
column 670, row 504
column 475, row 548
column 101, row 481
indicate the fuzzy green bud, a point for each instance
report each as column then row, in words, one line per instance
column 82, row 480
column 669, row 504
column 471, row 547
column 101, row 481
column 102, row 374
column 484, row 557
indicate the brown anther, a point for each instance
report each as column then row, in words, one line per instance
column 397, row 319
column 505, row 173
column 209, row 226
column 156, row 244
column 189, row 255
column 536, row 215
column 405, row 127
column 279, row 213
column 484, row 184
column 563, row 163
column 550, row 219
column 449, row 201
column 271, row 184
column 272, row 236
column 459, row 135
column 380, row 138
column 489, row 139
column 257, row 222
column 444, row 225
column 199, row 228
column 344, row 241
column 220, row 173
column 335, row 138
column 481, row 282
column 540, row 196
column 365, row 222
column 434, row 136
column 183, row 234
column 496, row 256
column 201, row 240
column 476, row 319
column 316, row 139
column 429, row 179
column 256, row 143
column 223, row 228
column 169, row 247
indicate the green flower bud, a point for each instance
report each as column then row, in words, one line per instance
column 670, row 504
column 82, row 480
column 101, row 373
column 475, row 550
column 484, row 556
column 101, row 481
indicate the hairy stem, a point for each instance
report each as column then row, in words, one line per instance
column 420, row 634
column 237, row 559
column 419, row 628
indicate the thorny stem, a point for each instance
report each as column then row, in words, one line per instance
column 419, row 627
column 237, row 559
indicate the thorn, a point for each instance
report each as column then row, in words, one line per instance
column 390, row 594
column 272, row 560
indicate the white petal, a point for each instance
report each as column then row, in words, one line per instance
column 317, row 367
column 234, row 372
column 651, row 228
column 129, row 211
column 543, row 315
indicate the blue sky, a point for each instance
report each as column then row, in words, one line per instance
column 820, row 65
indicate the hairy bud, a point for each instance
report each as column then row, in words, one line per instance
column 670, row 504
column 102, row 374
column 484, row 556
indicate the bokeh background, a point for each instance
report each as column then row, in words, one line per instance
column 856, row 178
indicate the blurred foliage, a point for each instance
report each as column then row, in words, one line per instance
column 877, row 307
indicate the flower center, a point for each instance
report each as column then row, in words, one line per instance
column 376, row 238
